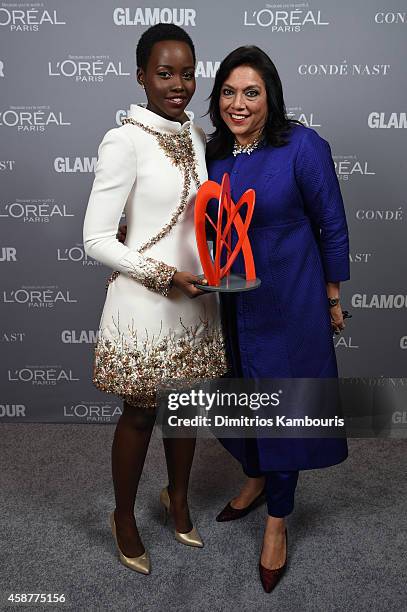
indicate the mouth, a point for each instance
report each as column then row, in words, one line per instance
column 176, row 101
column 238, row 119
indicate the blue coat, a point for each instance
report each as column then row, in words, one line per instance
column 299, row 239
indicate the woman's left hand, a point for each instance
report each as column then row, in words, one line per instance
column 337, row 321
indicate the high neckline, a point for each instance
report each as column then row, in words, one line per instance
column 142, row 114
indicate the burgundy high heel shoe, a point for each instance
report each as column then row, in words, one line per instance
column 232, row 514
column 270, row 577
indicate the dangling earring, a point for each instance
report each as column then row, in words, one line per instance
column 142, row 84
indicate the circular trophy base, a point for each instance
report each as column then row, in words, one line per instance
column 231, row 284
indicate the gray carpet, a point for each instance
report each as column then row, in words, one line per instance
column 346, row 535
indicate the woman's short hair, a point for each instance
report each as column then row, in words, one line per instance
column 158, row 33
column 277, row 123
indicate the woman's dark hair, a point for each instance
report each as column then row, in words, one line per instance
column 158, row 33
column 277, row 126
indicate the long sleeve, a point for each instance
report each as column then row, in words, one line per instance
column 115, row 174
column 317, row 180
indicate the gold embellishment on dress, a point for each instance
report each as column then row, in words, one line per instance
column 111, row 278
column 153, row 274
column 180, row 149
column 134, row 369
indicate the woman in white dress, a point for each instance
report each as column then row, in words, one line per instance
column 150, row 329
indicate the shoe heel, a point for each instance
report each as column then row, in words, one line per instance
column 165, row 505
column 141, row 564
column 164, row 515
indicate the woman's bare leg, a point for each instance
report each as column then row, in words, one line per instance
column 129, row 449
column 179, row 453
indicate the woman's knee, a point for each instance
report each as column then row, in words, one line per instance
column 138, row 417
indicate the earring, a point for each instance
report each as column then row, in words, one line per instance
column 142, row 84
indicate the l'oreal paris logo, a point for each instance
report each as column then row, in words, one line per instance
column 32, row 118
column 87, row 69
column 42, row 375
column 25, row 17
column 76, row 254
column 347, row 166
column 37, row 297
column 92, row 412
column 35, row 211
column 282, row 21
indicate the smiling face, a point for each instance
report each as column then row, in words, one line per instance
column 169, row 79
column 243, row 103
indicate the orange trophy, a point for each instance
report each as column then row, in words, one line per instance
column 219, row 277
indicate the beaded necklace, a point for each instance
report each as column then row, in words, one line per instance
column 247, row 148
column 180, row 150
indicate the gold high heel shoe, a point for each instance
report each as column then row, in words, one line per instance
column 138, row 564
column 191, row 538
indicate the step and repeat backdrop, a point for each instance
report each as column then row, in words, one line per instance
column 67, row 75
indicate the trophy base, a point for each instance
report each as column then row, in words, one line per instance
column 231, row 284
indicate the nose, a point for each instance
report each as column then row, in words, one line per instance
column 238, row 102
column 177, row 83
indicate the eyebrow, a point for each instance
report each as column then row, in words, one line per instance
column 171, row 67
column 248, row 87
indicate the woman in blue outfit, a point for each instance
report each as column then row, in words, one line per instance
column 300, row 245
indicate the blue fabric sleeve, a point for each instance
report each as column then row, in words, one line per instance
column 319, row 186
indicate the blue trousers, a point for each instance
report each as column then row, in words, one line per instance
column 280, row 486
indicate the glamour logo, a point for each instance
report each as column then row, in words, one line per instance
column 7, row 164
column 362, row 300
column 87, row 69
column 206, row 70
column 92, row 412
column 76, row 254
column 84, row 336
column 8, row 254
column 283, row 21
column 38, row 297
column 28, row 18
column 35, row 211
column 31, row 118
column 387, row 120
column 359, row 257
column 121, row 114
column 75, row 164
column 150, row 16
column 12, row 336
column 379, row 215
column 1, row 69
column 347, row 166
column 41, row 375
column 296, row 112
column 344, row 69
column 391, row 17
column 343, row 342
column 12, row 410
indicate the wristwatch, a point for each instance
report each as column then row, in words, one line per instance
column 333, row 302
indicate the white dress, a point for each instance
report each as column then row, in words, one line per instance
column 149, row 331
